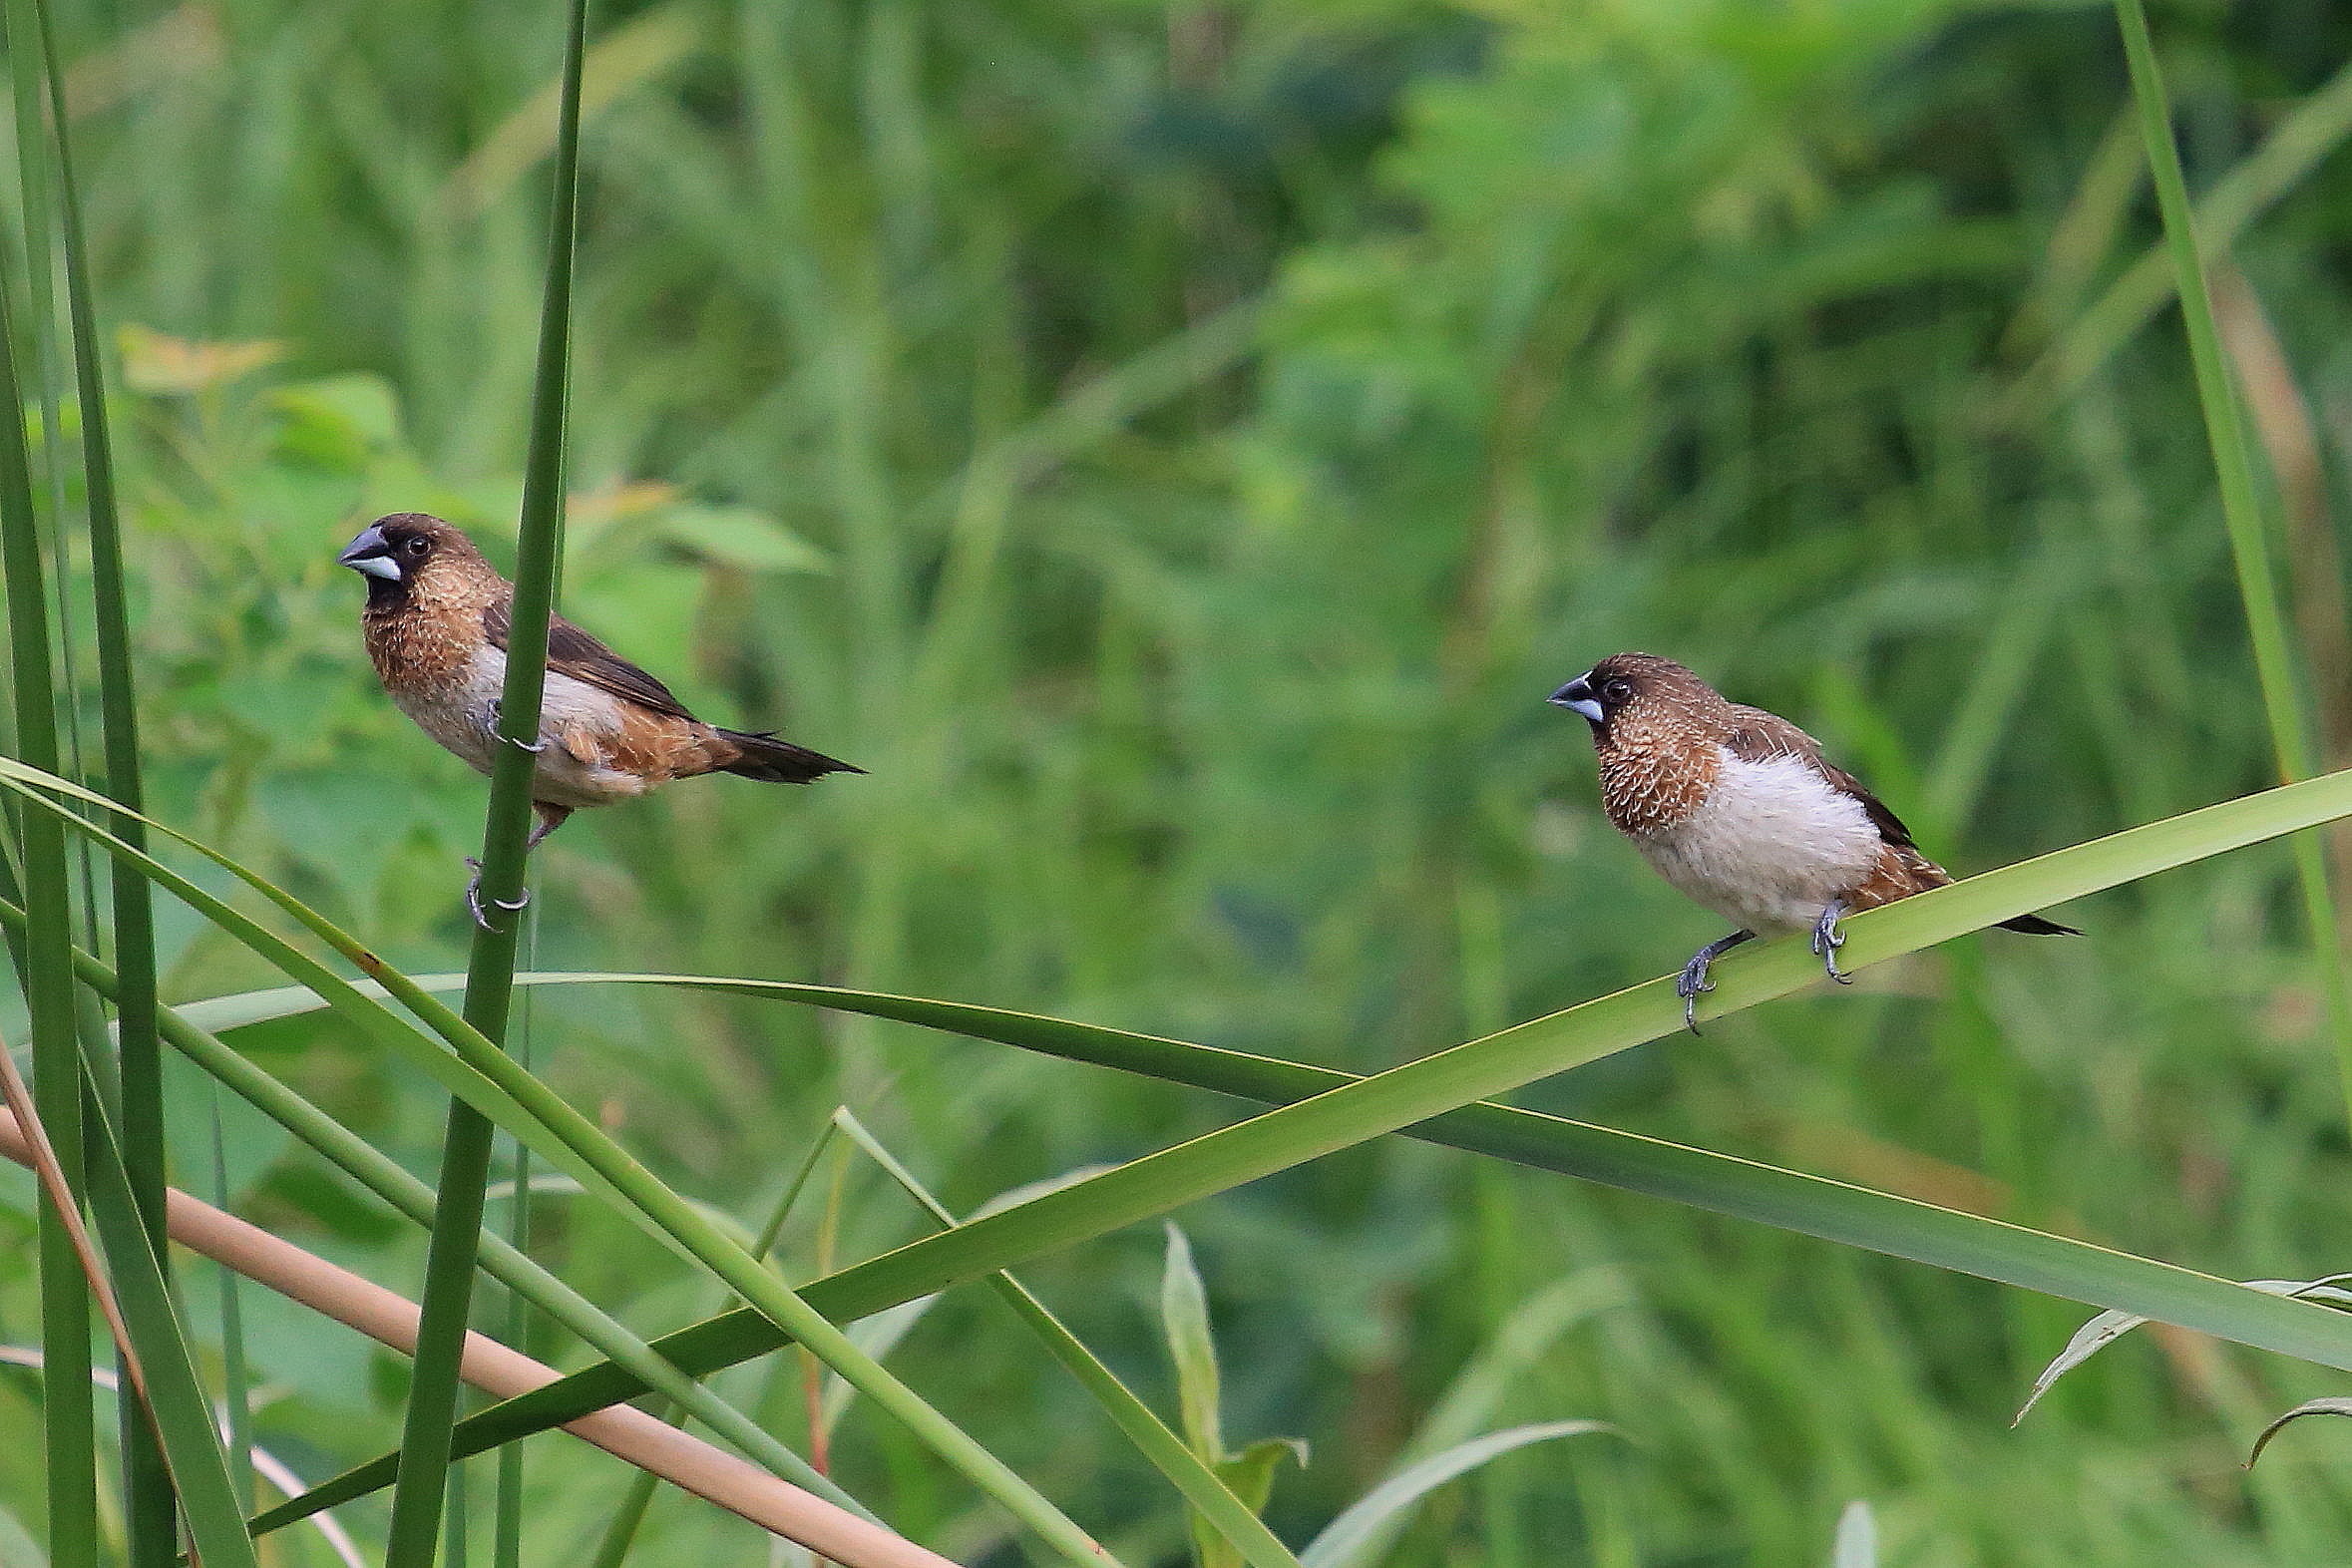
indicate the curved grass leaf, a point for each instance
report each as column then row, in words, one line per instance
column 486, row 1079
column 2109, row 1327
column 1347, row 1540
column 1233, row 1517
column 406, row 1194
column 1350, row 1110
column 2335, row 1404
column 1744, row 1189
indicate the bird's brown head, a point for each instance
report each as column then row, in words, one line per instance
column 1633, row 698
column 411, row 553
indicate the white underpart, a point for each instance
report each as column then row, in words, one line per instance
column 468, row 727
column 1770, row 847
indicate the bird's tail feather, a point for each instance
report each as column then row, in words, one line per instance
column 774, row 761
column 2036, row 926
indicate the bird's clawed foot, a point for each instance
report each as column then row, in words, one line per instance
column 534, row 747
column 1827, row 938
column 475, row 900
column 1693, row 980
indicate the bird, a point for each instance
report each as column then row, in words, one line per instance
column 1739, row 810
column 435, row 625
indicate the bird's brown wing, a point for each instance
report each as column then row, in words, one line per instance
column 571, row 651
column 1758, row 736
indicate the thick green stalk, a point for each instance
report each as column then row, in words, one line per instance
column 2241, row 509
column 490, row 974
column 139, row 1057
column 69, row 1410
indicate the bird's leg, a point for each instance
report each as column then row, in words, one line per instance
column 1827, row 938
column 1692, row 978
column 551, row 817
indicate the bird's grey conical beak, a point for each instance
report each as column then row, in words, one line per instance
column 371, row 553
column 1577, row 696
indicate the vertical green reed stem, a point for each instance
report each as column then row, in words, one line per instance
column 2290, row 737
column 140, row 1057
column 490, row 970
column 69, row 1410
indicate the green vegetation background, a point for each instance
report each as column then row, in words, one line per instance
column 1175, row 450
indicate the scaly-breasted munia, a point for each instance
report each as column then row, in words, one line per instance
column 1738, row 809
column 436, row 626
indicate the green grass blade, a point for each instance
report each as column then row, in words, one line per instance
column 489, row 1081
column 466, row 1146
column 69, row 1410
column 408, row 1195
column 2241, row 509
column 138, row 1057
column 183, row 1415
column 1357, row 1109
column 1353, row 1536
column 1830, row 1209
column 1214, row 1501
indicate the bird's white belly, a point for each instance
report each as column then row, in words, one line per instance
column 1770, row 847
column 467, row 724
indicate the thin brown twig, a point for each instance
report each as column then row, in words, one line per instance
column 38, row 1153
column 624, row 1432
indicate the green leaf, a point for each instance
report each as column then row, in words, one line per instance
column 2334, row 1405
column 1250, row 1474
column 1184, row 1316
column 2109, row 1327
column 408, row 1195
column 1231, row 1517
column 505, row 1094
column 1343, row 1542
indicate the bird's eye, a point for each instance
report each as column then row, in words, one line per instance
column 1618, row 691
column 417, row 546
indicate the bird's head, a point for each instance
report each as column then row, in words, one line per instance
column 400, row 551
column 1636, row 689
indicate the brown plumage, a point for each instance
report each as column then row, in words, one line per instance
column 1738, row 809
column 436, row 626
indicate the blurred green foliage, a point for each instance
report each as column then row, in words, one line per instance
column 1174, row 450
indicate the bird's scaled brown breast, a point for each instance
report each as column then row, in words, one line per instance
column 1659, row 761
column 424, row 643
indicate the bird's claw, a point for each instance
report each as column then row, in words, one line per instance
column 1827, row 938
column 1693, row 980
column 533, row 747
column 1689, row 985
column 475, row 899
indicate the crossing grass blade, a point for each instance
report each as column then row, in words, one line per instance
column 185, row 1432
column 490, row 976
column 1214, row 1503
column 406, row 1194
column 2241, row 510
column 68, row 1407
column 1833, row 1211
column 492, row 1083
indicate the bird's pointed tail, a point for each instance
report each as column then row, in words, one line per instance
column 773, row 761
column 2036, row 926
